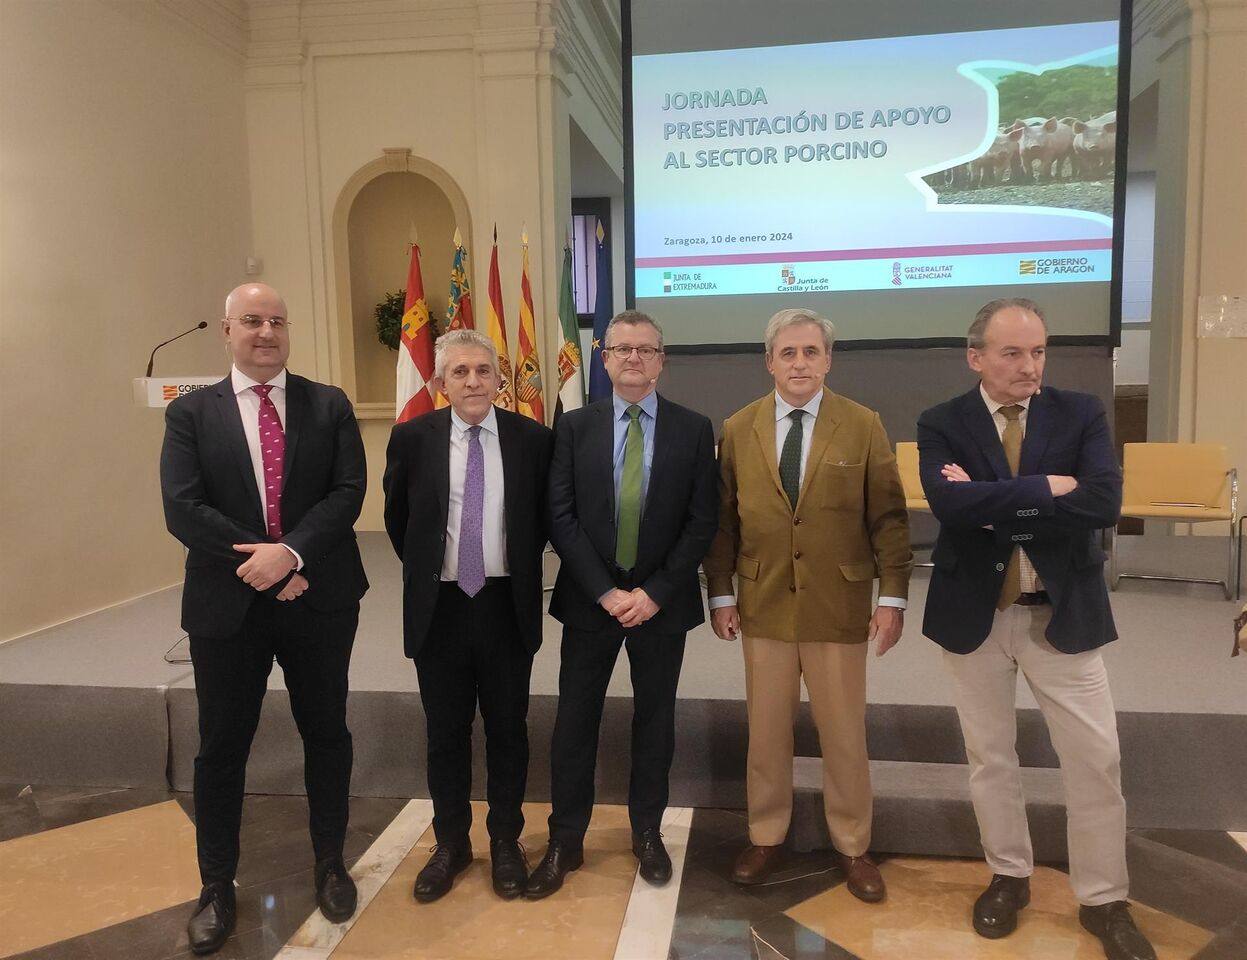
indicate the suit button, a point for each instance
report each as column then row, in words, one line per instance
column 436, row 577
column 1000, row 567
column 792, row 588
column 796, row 521
column 797, row 555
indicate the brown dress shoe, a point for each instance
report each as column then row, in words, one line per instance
column 863, row 878
column 756, row 864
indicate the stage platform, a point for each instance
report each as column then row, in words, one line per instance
column 93, row 702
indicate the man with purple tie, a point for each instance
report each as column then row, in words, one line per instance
column 464, row 508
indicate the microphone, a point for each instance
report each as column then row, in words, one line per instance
column 152, row 359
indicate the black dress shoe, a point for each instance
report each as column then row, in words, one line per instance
column 559, row 861
column 335, row 890
column 213, row 919
column 1112, row 923
column 438, row 876
column 655, row 864
column 996, row 909
column 509, row 868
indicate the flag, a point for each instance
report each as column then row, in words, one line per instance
column 459, row 307
column 528, row 393
column 497, row 330
column 415, row 348
column 571, row 373
column 599, row 382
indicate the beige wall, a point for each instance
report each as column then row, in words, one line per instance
column 1198, row 389
column 123, row 179
column 378, row 229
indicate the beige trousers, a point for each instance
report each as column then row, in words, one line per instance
column 1073, row 694
column 835, row 676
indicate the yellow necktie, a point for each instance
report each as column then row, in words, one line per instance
column 1011, row 589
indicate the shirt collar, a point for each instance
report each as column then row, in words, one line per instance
column 993, row 406
column 489, row 424
column 240, row 381
column 648, row 404
column 783, row 407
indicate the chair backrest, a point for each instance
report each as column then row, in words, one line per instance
column 907, row 464
column 1176, row 474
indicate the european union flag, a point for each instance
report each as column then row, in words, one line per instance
column 599, row 382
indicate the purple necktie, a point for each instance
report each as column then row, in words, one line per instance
column 273, row 450
column 472, row 518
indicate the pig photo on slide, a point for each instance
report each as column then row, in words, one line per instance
column 1055, row 147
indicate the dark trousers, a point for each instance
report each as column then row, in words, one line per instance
column 588, row 657
column 231, row 674
column 474, row 654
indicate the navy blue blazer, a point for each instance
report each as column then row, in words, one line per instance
column 1067, row 434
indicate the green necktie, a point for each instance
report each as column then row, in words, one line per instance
column 630, row 492
column 790, row 460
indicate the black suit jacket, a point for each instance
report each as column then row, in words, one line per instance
column 417, row 494
column 679, row 520
column 211, row 500
column 1066, row 434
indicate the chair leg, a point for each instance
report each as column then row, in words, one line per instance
column 1229, row 586
column 1111, row 534
column 1238, row 562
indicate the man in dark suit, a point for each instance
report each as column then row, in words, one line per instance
column 263, row 476
column 1022, row 480
column 633, row 509
column 464, row 508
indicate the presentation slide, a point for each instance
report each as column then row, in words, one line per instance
column 979, row 162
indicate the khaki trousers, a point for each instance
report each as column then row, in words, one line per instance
column 835, row 676
column 1073, row 694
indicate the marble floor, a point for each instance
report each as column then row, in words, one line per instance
column 90, row 874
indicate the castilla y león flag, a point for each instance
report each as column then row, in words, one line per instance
column 415, row 348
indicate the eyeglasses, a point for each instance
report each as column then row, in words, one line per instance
column 251, row 322
column 623, row 352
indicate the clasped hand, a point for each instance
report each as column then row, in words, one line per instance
column 631, row 608
column 267, row 565
column 1058, row 485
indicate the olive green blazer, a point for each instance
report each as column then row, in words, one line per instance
column 806, row 574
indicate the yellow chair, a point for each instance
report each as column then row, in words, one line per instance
column 911, row 482
column 1187, row 483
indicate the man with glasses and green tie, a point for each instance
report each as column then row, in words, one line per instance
column 632, row 498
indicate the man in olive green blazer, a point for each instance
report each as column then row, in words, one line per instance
column 811, row 512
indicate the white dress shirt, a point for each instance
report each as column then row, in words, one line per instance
column 1030, row 579
column 249, row 410
column 493, row 527
column 783, row 423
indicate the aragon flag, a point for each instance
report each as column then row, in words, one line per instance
column 459, row 306
column 415, row 348
column 571, row 370
column 497, row 331
column 528, row 389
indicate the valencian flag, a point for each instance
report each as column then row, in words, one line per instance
column 497, row 330
column 571, row 374
column 459, row 307
column 599, row 382
column 415, row 348
column 528, row 396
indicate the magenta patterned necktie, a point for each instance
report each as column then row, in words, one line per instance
column 273, row 448
column 472, row 518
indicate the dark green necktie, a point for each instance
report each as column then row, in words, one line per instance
column 630, row 492
column 790, row 460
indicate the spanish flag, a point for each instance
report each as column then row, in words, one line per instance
column 527, row 362
column 497, row 331
column 415, row 348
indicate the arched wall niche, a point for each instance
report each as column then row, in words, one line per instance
column 372, row 222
